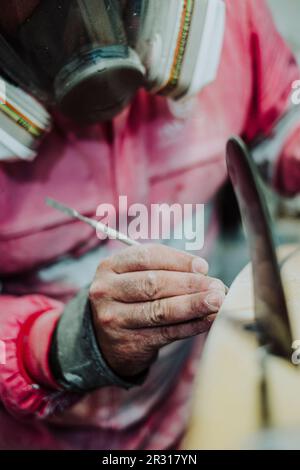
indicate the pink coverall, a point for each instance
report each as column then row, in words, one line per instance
column 153, row 152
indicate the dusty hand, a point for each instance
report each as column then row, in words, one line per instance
column 147, row 297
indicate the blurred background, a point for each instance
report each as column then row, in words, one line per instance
column 231, row 252
column 287, row 212
column 287, row 16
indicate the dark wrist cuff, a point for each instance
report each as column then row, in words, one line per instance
column 75, row 357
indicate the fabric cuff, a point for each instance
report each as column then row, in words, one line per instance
column 36, row 337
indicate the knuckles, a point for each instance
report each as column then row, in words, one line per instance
column 107, row 319
column 140, row 258
column 104, row 314
column 97, row 291
column 104, row 265
column 158, row 312
column 149, row 286
column 196, row 304
column 142, row 288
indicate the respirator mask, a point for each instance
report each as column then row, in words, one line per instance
column 89, row 58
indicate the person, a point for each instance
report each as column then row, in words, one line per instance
column 111, row 365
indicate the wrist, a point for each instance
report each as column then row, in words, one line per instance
column 76, row 358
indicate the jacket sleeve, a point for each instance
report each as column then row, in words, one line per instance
column 27, row 387
column 51, row 356
column 274, row 71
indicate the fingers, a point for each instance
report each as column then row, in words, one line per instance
column 169, row 311
column 168, row 334
column 156, row 338
column 152, row 285
column 154, row 257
